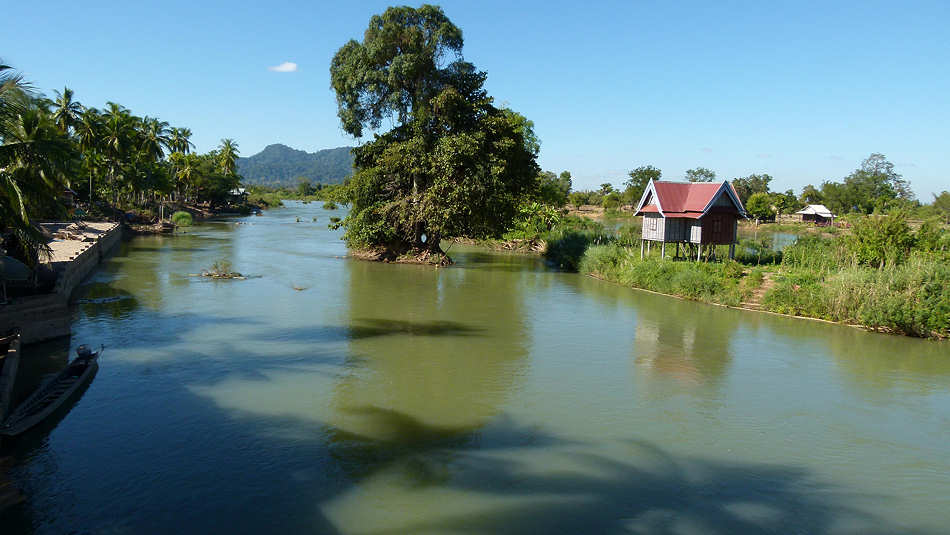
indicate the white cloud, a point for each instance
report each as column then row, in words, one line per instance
column 287, row 66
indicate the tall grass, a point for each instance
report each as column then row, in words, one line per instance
column 912, row 298
column 710, row 282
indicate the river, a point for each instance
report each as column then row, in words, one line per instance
column 327, row 395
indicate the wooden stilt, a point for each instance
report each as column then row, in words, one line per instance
column 649, row 245
column 641, row 249
column 677, row 250
column 663, row 251
column 732, row 251
column 699, row 252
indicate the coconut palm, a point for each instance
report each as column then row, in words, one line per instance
column 66, row 111
column 228, row 154
column 180, row 142
column 34, row 158
column 155, row 138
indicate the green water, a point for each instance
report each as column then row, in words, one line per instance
column 494, row 396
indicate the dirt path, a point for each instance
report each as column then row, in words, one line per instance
column 755, row 301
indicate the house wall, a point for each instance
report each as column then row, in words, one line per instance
column 677, row 229
column 654, row 227
column 696, row 231
column 718, row 229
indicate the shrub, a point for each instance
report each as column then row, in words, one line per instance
column 566, row 248
column 182, row 219
column 329, row 205
column 532, row 222
column 881, row 240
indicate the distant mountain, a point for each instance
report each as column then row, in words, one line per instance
column 280, row 165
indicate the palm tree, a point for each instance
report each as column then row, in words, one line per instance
column 116, row 141
column 228, row 154
column 66, row 111
column 34, row 157
column 180, row 142
column 89, row 132
column 155, row 137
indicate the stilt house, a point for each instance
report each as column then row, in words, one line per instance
column 695, row 214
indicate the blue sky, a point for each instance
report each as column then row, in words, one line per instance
column 802, row 91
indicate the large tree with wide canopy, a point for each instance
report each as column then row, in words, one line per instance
column 453, row 164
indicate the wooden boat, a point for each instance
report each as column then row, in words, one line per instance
column 52, row 394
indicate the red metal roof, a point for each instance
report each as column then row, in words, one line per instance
column 685, row 197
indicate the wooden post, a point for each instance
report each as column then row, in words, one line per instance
column 677, row 250
column 663, row 251
column 699, row 252
column 732, row 251
column 649, row 245
column 641, row 248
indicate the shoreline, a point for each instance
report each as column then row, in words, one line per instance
column 45, row 316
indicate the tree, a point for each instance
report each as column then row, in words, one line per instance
column 554, row 189
column 605, row 189
column 811, row 195
column 579, row 198
column 759, row 206
column 753, row 183
column 304, row 188
column 873, row 186
column 700, row 174
column 228, row 154
column 942, row 203
column 66, row 111
column 34, row 158
column 453, row 164
column 785, row 203
column 639, row 178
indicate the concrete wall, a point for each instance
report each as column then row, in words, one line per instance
column 47, row 316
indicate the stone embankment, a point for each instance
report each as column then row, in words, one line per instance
column 76, row 251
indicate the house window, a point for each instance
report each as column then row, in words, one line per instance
column 716, row 226
column 653, row 223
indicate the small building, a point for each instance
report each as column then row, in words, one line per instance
column 694, row 214
column 817, row 213
column 238, row 196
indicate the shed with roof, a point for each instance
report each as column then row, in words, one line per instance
column 817, row 213
column 696, row 214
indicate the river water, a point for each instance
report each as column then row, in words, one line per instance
column 329, row 395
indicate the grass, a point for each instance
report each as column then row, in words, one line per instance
column 182, row 219
column 708, row 282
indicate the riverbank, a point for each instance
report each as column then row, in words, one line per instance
column 910, row 299
column 76, row 250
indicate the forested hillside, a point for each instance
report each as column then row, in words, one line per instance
column 280, row 165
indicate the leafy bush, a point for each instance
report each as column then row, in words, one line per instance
column 878, row 241
column 532, row 222
column 182, row 219
column 566, row 248
column 913, row 298
column 329, row 205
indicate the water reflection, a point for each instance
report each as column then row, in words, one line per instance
column 449, row 358
column 684, row 341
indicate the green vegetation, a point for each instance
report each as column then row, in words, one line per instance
column 116, row 161
column 883, row 275
column 454, row 164
column 182, row 219
column 329, row 205
column 710, row 282
column 279, row 166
